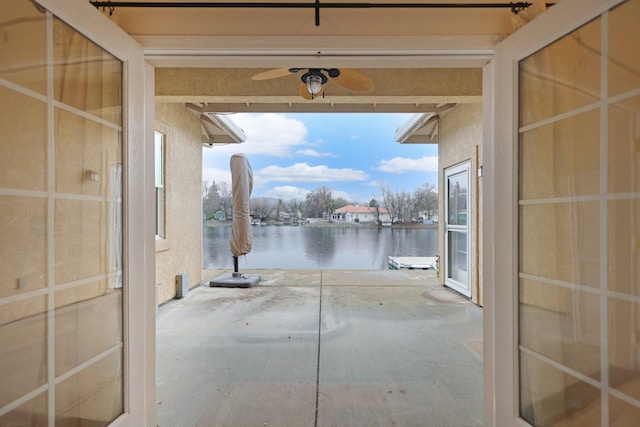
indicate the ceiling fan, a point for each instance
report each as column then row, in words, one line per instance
column 314, row 79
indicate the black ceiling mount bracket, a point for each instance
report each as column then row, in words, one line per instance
column 516, row 7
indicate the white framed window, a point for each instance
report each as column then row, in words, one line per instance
column 159, row 155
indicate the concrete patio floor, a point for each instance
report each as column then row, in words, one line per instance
column 321, row 348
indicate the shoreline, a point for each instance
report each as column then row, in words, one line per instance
column 327, row 224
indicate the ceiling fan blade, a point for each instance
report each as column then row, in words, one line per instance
column 353, row 80
column 272, row 74
column 304, row 92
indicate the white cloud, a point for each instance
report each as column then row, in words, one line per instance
column 216, row 174
column 287, row 192
column 404, row 165
column 318, row 142
column 269, row 134
column 374, row 183
column 343, row 194
column 302, row 172
column 313, row 153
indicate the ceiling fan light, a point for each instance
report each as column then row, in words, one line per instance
column 314, row 84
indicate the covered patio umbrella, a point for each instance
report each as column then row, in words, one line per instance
column 241, row 237
column 241, row 187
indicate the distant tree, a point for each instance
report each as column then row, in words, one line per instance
column 296, row 206
column 374, row 204
column 315, row 202
column 329, row 206
column 226, row 198
column 205, row 189
column 390, row 202
column 428, row 198
column 341, row 202
column 399, row 205
column 262, row 207
column 279, row 206
column 405, row 206
column 211, row 202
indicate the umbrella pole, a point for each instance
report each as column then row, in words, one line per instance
column 235, row 264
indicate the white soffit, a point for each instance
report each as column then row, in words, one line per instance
column 217, row 129
column 422, row 128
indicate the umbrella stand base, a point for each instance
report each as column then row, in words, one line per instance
column 235, row 280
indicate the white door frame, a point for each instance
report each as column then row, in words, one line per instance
column 500, row 244
column 499, row 200
column 454, row 284
column 139, row 249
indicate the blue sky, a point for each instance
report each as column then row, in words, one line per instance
column 353, row 154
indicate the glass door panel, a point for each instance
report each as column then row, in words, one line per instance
column 61, row 151
column 458, row 262
column 578, row 228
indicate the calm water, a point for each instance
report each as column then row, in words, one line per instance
column 290, row 247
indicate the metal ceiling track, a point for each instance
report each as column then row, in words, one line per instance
column 515, row 7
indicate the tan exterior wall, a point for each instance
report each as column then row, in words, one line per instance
column 181, row 250
column 460, row 135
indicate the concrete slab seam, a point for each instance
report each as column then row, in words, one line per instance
column 318, row 360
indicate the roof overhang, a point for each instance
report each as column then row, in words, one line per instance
column 217, row 129
column 422, row 128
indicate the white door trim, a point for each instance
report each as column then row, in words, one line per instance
column 139, row 249
column 337, row 51
column 500, row 204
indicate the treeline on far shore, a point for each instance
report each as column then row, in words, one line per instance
column 402, row 207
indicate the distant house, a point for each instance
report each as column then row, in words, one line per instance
column 284, row 217
column 219, row 216
column 358, row 213
column 426, row 218
column 331, row 216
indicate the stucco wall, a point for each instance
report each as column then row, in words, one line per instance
column 181, row 250
column 460, row 135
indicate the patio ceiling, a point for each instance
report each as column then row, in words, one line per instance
column 419, row 59
column 296, row 21
column 415, row 90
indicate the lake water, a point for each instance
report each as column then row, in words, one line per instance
column 300, row 248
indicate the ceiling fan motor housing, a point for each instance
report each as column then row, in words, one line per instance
column 314, row 79
column 314, row 72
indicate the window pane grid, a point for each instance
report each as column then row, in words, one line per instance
column 61, row 223
column 579, row 227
